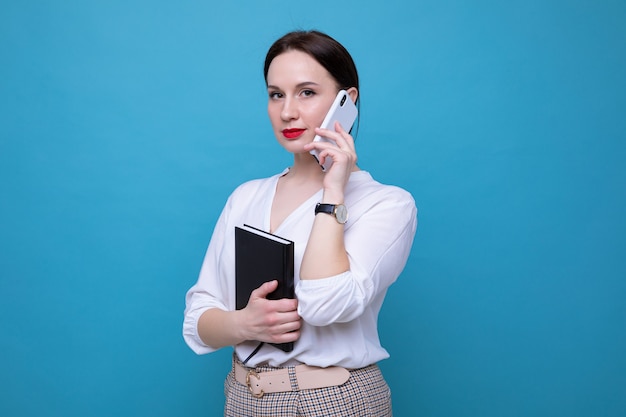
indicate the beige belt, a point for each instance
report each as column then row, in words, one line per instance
column 308, row 377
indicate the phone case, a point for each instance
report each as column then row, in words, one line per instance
column 343, row 111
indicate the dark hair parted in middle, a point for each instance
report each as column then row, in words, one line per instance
column 327, row 51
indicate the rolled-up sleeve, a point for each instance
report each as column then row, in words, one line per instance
column 211, row 289
column 378, row 242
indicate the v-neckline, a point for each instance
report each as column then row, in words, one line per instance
column 304, row 205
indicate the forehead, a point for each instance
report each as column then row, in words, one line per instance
column 295, row 67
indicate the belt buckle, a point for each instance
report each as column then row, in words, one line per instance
column 254, row 374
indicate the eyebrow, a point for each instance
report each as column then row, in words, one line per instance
column 300, row 85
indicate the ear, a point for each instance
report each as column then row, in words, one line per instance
column 353, row 93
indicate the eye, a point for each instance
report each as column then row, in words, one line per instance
column 308, row 93
column 275, row 95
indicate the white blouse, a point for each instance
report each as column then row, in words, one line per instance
column 340, row 312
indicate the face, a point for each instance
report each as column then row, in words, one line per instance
column 300, row 93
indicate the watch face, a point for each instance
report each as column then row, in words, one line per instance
column 341, row 213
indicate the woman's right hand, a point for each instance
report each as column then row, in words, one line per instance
column 343, row 154
column 271, row 321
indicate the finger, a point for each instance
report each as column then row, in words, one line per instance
column 340, row 136
column 287, row 327
column 286, row 305
column 264, row 290
column 338, row 155
column 285, row 337
column 328, row 134
column 346, row 136
column 286, row 323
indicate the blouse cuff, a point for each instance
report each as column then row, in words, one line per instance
column 190, row 332
column 338, row 298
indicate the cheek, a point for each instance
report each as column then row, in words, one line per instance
column 315, row 115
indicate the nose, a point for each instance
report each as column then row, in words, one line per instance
column 289, row 110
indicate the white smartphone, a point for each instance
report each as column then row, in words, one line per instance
column 343, row 111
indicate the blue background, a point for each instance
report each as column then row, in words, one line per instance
column 124, row 126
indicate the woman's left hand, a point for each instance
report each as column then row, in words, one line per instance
column 343, row 155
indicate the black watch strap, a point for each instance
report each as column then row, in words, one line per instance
column 325, row 208
column 338, row 211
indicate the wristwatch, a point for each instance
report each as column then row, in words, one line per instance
column 338, row 210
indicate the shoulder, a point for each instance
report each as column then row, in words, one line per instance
column 363, row 186
column 249, row 186
column 253, row 187
column 367, row 198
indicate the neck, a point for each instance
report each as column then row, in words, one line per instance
column 306, row 168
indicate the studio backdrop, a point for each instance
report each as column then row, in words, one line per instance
column 125, row 125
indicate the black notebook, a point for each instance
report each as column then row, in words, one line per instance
column 261, row 257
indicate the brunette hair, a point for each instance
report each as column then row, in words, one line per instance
column 327, row 51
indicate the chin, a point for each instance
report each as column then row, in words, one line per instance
column 294, row 148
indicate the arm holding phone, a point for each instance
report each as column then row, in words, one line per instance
column 336, row 150
column 342, row 111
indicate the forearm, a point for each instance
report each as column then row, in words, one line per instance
column 325, row 254
column 218, row 328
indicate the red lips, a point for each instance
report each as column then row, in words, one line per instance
column 292, row 133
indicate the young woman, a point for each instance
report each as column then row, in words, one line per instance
column 342, row 267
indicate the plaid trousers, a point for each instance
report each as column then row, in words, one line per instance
column 365, row 394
